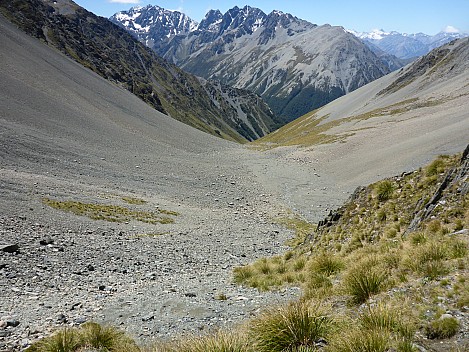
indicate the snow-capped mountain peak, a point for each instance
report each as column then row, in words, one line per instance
column 150, row 22
column 407, row 46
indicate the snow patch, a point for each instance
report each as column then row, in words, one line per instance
column 450, row 29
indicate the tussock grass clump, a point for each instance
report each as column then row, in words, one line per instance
column 365, row 279
column 442, row 328
column 429, row 259
column 90, row 336
column 66, row 340
column 134, row 200
column 297, row 325
column 326, row 264
column 242, row 274
column 379, row 317
column 436, row 167
column 378, row 328
column 384, row 190
column 221, row 341
column 357, row 340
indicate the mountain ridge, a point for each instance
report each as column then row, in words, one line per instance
column 407, row 46
column 303, row 65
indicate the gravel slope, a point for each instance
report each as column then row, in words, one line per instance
column 66, row 134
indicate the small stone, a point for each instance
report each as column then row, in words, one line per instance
column 190, row 294
column 148, row 318
column 46, row 241
column 10, row 248
column 90, row 267
column 3, row 324
column 101, row 287
column 80, row 320
column 13, row 323
column 61, row 319
column 75, row 305
column 5, row 333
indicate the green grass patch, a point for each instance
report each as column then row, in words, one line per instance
column 301, row 228
column 133, row 200
column 111, row 213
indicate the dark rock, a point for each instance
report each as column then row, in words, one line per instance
column 75, row 305
column 13, row 323
column 3, row 266
column 101, row 287
column 148, row 318
column 190, row 294
column 90, row 267
column 10, row 248
column 61, row 319
column 46, row 241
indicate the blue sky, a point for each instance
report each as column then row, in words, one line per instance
column 407, row 16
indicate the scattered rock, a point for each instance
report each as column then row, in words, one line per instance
column 5, row 333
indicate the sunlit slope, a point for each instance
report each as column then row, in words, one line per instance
column 426, row 87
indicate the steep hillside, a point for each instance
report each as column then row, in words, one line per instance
column 418, row 110
column 294, row 65
column 110, row 51
column 392, row 261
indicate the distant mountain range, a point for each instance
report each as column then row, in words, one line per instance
column 407, row 46
column 296, row 66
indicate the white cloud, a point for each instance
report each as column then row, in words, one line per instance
column 125, row 1
column 451, row 29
